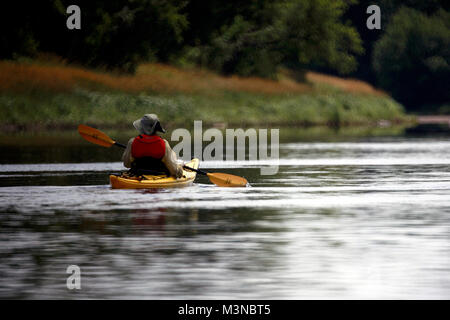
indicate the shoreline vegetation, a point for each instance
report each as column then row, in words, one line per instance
column 40, row 95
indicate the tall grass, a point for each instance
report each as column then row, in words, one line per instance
column 22, row 77
column 42, row 95
column 120, row 109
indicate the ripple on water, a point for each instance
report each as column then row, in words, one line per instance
column 346, row 220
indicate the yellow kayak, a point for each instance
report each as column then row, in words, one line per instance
column 157, row 181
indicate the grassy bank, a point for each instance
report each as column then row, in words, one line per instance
column 54, row 95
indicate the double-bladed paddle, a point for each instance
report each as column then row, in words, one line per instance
column 221, row 179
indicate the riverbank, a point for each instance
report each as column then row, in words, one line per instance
column 53, row 95
column 434, row 119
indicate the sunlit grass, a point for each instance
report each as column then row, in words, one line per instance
column 149, row 78
column 36, row 95
column 156, row 77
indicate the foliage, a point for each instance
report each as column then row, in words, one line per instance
column 114, row 34
column 412, row 58
column 246, row 38
column 119, row 109
column 356, row 13
column 299, row 32
column 45, row 96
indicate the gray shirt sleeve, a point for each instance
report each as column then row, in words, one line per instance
column 127, row 158
column 170, row 161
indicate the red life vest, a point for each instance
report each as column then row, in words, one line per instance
column 148, row 146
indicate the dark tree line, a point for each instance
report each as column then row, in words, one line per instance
column 408, row 57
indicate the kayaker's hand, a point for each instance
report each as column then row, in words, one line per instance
column 179, row 171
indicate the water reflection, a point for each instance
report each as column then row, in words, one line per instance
column 366, row 219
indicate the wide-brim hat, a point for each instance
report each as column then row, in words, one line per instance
column 149, row 124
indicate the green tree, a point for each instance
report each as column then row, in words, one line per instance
column 312, row 32
column 115, row 34
column 120, row 34
column 411, row 60
column 231, row 36
column 296, row 33
column 356, row 13
column 241, row 48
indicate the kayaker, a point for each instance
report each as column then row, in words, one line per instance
column 148, row 151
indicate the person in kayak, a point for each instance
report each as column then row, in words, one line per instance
column 148, row 151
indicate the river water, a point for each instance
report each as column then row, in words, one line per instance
column 365, row 218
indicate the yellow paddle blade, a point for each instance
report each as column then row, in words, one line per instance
column 227, row 180
column 95, row 136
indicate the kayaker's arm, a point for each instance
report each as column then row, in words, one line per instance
column 127, row 158
column 171, row 163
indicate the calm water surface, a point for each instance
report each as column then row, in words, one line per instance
column 353, row 219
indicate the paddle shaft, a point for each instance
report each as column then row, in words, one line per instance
column 196, row 170
column 120, row 145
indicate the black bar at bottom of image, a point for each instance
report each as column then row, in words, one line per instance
column 223, row 309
